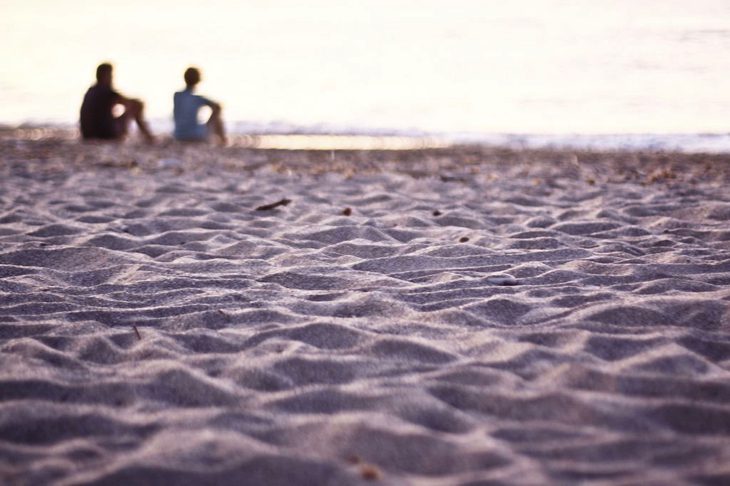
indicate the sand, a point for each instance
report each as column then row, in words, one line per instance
column 466, row 315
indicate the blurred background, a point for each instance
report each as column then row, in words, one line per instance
column 456, row 66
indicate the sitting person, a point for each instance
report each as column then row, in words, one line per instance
column 185, row 111
column 97, row 118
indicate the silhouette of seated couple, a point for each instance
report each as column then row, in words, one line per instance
column 100, row 120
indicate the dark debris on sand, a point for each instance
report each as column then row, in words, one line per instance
column 274, row 205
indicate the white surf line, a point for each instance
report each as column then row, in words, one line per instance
column 342, row 142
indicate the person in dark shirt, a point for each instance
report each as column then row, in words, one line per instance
column 97, row 117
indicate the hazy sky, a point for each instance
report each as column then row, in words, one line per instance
column 459, row 65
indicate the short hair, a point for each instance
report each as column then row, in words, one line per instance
column 103, row 69
column 192, row 76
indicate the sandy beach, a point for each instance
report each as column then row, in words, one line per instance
column 445, row 316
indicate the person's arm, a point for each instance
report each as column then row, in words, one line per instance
column 120, row 99
column 133, row 110
column 216, row 107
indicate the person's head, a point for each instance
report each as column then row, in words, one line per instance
column 192, row 77
column 104, row 73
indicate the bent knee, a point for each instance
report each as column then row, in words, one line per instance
column 135, row 106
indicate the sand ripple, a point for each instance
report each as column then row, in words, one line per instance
column 484, row 323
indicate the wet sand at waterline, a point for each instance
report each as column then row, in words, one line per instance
column 186, row 314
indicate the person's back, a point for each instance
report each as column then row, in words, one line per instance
column 186, row 107
column 96, row 116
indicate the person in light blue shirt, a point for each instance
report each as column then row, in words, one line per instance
column 187, row 104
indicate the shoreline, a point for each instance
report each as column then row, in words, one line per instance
column 52, row 149
column 329, row 138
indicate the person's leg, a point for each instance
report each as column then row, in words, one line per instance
column 134, row 112
column 215, row 125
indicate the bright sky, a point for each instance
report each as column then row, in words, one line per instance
column 460, row 65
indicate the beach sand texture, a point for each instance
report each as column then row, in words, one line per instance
column 457, row 316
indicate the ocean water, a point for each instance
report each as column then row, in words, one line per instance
column 615, row 71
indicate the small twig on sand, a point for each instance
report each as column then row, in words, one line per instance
column 268, row 207
column 136, row 331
